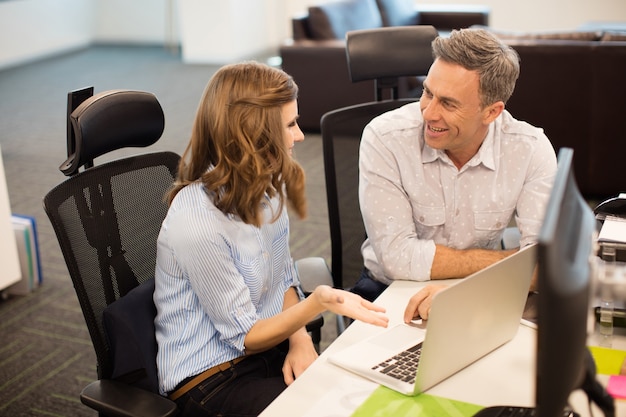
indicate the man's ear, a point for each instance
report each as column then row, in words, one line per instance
column 492, row 111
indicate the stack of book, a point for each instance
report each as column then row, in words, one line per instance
column 25, row 229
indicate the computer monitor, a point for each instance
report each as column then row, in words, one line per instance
column 565, row 246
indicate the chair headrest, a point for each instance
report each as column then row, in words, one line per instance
column 395, row 51
column 113, row 120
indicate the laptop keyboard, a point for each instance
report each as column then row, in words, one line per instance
column 402, row 366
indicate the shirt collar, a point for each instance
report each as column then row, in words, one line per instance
column 485, row 154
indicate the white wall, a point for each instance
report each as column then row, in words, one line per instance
column 219, row 31
column 537, row 15
column 31, row 29
column 135, row 21
column 528, row 15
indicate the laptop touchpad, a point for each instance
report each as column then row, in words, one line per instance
column 402, row 335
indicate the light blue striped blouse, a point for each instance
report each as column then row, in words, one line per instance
column 215, row 277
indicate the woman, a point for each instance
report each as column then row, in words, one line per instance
column 225, row 282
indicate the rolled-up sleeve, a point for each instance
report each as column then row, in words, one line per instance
column 393, row 248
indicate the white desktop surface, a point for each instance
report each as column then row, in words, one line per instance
column 503, row 377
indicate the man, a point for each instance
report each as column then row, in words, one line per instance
column 441, row 179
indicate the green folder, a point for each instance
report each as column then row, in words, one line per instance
column 385, row 402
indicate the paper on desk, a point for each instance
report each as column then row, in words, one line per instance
column 617, row 386
column 388, row 403
column 613, row 230
column 608, row 361
column 342, row 401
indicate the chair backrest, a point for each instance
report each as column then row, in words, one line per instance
column 389, row 53
column 341, row 137
column 109, row 121
column 131, row 337
column 107, row 218
column 386, row 55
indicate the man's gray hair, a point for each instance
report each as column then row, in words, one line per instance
column 497, row 64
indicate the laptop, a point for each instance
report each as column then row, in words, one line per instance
column 467, row 321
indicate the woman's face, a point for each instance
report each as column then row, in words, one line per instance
column 292, row 132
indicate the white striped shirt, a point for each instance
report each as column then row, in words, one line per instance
column 413, row 197
column 215, row 277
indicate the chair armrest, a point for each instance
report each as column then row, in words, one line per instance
column 445, row 18
column 312, row 272
column 117, row 399
column 511, row 238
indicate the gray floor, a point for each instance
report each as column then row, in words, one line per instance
column 45, row 354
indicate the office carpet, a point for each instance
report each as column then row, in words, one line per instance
column 46, row 356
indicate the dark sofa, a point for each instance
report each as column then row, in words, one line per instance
column 573, row 85
column 316, row 56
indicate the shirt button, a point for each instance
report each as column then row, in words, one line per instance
column 422, row 219
column 498, row 224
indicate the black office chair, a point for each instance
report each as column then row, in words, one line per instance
column 389, row 55
column 107, row 220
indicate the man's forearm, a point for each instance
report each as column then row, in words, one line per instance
column 457, row 263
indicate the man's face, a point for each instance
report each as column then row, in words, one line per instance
column 453, row 118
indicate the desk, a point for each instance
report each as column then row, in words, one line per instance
column 505, row 376
column 9, row 257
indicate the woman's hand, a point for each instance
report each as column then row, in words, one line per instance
column 301, row 355
column 351, row 305
column 419, row 305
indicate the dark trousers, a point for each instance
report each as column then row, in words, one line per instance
column 244, row 390
column 367, row 287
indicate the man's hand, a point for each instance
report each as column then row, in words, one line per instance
column 419, row 305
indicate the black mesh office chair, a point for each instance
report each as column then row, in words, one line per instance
column 389, row 55
column 107, row 220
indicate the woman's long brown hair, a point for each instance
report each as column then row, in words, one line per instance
column 237, row 146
